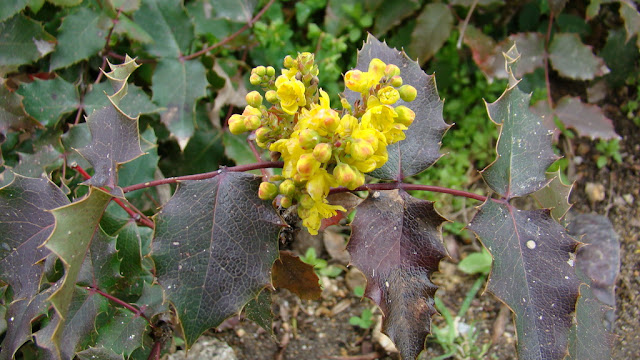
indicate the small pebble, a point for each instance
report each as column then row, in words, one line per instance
column 595, row 192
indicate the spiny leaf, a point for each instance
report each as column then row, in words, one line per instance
column 289, row 272
column 77, row 225
column 82, row 34
column 48, row 100
column 12, row 113
column 631, row 18
column 532, row 273
column 23, row 41
column 586, row 119
column 93, row 353
column 258, row 310
column 215, row 243
column 588, row 338
column 9, row 8
column 433, row 27
column 133, row 245
column 396, row 242
column 554, row 196
column 524, row 147
column 137, row 102
column 421, row 147
column 25, row 224
column 390, row 14
column 573, row 59
column 169, row 26
column 483, row 51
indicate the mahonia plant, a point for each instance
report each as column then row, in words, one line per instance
column 322, row 147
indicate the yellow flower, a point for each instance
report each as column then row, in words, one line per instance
column 388, row 95
column 380, row 117
column 291, row 94
column 312, row 217
column 319, row 185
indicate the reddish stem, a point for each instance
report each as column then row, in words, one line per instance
column 173, row 180
column 404, row 186
column 232, row 36
column 133, row 309
column 252, row 146
column 155, row 351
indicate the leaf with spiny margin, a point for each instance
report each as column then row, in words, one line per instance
column 25, row 224
column 45, row 160
column 289, row 272
column 433, row 27
column 586, row 119
column 81, row 35
column 588, row 338
column 168, row 24
column 49, row 100
column 421, row 147
column 258, row 310
column 215, row 243
column 554, row 196
column 390, row 14
column 397, row 243
column 631, row 17
column 137, row 102
column 77, row 225
column 12, row 113
column 573, row 59
column 10, row 8
column 133, row 246
column 524, row 146
column 93, row 353
column 23, row 41
column 532, row 273
column 124, row 332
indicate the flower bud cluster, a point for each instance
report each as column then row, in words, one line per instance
column 322, row 147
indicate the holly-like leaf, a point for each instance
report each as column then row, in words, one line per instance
column 40, row 163
column 390, row 14
column 237, row 148
column 81, row 35
column 554, row 196
column 483, row 51
column 133, row 245
column 215, row 243
column 631, row 17
column 23, row 41
column 25, row 224
column 77, row 225
column 9, row 8
column 524, row 146
column 533, row 273
column 12, row 113
column 588, row 120
column 433, row 27
column 421, row 147
column 573, row 59
column 531, row 48
column 588, row 338
column 93, row 353
column 258, row 310
column 136, row 102
column 289, row 272
column 396, row 242
column 168, row 24
column 49, row 100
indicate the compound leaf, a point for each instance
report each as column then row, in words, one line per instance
column 396, row 242
column 82, row 34
column 586, row 119
column 215, row 243
column 289, row 272
column 524, row 146
column 421, row 147
column 23, row 41
column 533, row 273
column 573, row 59
column 48, row 100
column 433, row 27
column 25, row 224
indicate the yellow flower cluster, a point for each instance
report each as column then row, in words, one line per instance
column 322, row 147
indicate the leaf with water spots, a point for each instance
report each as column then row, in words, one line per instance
column 396, row 242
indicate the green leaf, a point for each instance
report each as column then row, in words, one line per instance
column 237, row 148
column 25, row 223
column 81, row 35
column 177, row 85
column 143, row 168
column 65, row 3
column 23, row 41
column 77, row 137
column 421, row 147
column 573, row 59
column 587, row 119
column 133, row 246
column 554, row 196
column 126, row 6
column 12, row 113
column 433, row 27
column 390, row 14
column 133, row 31
column 41, row 163
column 531, row 48
column 258, row 310
column 136, row 102
column 556, row 6
column 588, row 338
column 532, row 273
column 49, row 100
column 631, row 18
column 207, row 22
column 168, row 24
column 476, row 263
column 209, row 258
column 77, row 225
column 10, row 8
column 524, row 147
column 93, row 353
column 396, row 242
column 621, row 57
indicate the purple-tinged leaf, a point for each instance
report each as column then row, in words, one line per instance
column 573, row 59
column 483, row 50
column 396, row 242
column 531, row 48
column 524, row 147
column 390, row 14
column 25, row 224
column 77, row 226
column 133, row 245
column 533, row 273
column 258, row 310
column 631, row 17
column 433, row 27
column 93, row 353
column 588, row 338
column 421, row 147
column 49, row 100
column 215, row 243
column 586, row 119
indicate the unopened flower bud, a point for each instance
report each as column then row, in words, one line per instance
column 285, row 202
column 250, row 110
column 272, row 96
column 377, row 66
column 345, row 175
column 252, row 122
column 254, row 99
column 307, row 165
column 361, row 150
column 262, row 134
column 308, row 138
column 405, row 115
column 287, row 188
column 236, row 124
column 322, row 152
column 306, row 202
column 396, row 81
column 356, row 80
column 255, row 79
column 273, row 178
column 289, row 62
column 408, row 93
column 391, row 70
column 345, row 103
column 267, row 191
column 388, row 95
column 260, row 70
column 271, row 71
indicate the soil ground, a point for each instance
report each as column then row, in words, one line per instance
column 321, row 329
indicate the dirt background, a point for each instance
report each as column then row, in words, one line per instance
column 321, row 330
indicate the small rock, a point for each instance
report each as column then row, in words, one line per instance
column 206, row 349
column 241, row 332
column 628, row 198
column 355, row 278
column 595, row 192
